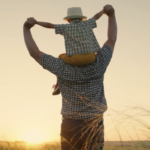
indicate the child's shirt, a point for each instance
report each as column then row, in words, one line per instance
column 79, row 36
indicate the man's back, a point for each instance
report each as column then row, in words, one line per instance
column 81, row 87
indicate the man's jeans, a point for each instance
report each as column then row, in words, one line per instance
column 73, row 135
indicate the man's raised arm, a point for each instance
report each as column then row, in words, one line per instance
column 112, row 26
column 29, row 41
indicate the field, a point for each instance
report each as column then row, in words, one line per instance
column 143, row 145
column 131, row 123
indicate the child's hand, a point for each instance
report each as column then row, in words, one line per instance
column 30, row 23
column 109, row 10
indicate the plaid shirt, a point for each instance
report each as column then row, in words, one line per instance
column 81, row 87
column 79, row 36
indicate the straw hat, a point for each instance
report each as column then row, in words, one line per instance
column 74, row 12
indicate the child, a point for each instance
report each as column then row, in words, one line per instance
column 80, row 41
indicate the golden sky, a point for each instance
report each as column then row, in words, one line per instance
column 28, row 111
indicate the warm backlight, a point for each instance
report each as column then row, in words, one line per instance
column 34, row 136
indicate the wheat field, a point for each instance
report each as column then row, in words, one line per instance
column 143, row 145
column 134, row 118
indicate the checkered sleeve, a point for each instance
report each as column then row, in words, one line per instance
column 50, row 63
column 92, row 22
column 59, row 28
column 106, row 54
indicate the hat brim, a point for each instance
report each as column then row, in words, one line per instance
column 75, row 16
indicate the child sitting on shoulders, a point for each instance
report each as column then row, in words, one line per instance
column 80, row 42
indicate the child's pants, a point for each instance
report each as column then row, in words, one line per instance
column 78, row 60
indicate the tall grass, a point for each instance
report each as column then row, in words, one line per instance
column 132, row 123
column 56, row 146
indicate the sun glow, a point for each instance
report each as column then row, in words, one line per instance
column 34, row 136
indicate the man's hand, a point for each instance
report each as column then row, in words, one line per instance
column 30, row 23
column 109, row 10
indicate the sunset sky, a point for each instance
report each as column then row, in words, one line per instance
column 28, row 111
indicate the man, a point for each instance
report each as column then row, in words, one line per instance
column 83, row 98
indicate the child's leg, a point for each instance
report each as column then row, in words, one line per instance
column 56, row 89
column 76, row 60
column 62, row 55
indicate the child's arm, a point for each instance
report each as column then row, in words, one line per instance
column 98, row 15
column 45, row 24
